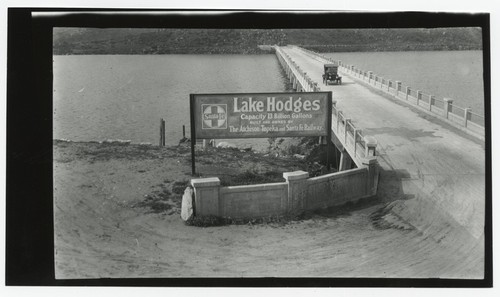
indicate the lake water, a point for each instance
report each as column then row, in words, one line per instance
column 102, row 97
column 452, row 74
column 124, row 96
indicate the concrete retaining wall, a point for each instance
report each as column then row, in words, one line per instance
column 297, row 194
column 336, row 189
column 247, row 201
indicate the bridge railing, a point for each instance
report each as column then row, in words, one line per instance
column 359, row 147
column 443, row 108
column 463, row 117
column 301, row 81
column 476, row 118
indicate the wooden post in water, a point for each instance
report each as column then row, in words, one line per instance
column 162, row 132
column 183, row 131
column 159, row 142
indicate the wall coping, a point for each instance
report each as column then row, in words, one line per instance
column 295, row 175
column 370, row 161
column 262, row 187
column 336, row 174
column 205, row 182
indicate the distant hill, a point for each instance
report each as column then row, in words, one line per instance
column 352, row 40
column 245, row 41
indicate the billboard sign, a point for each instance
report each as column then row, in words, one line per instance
column 261, row 115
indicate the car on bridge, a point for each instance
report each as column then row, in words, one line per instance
column 331, row 75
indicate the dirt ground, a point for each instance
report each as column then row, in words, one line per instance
column 117, row 215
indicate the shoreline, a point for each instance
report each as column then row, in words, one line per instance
column 272, row 52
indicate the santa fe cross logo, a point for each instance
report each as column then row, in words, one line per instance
column 214, row 116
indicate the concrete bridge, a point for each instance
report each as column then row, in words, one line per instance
column 432, row 161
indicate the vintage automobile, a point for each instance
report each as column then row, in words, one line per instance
column 331, row 75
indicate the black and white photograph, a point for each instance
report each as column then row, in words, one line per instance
column 275, row 150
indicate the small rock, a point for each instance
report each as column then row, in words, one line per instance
column 225, row 144
column 116, row 141
column 187, row 204
column 299, row 156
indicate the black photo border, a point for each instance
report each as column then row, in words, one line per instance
column 29, row 173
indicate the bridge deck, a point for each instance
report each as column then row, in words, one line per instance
column 423, row 160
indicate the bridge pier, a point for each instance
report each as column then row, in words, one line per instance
column 345, row 161
column 373, row 175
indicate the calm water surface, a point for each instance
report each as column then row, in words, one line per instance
column 451, row 74
column 97, row 97
column 101, row 97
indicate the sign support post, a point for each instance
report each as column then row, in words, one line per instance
column 329, row 130
column 193, row 133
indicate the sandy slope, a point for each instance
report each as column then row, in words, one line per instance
column 101, row 232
